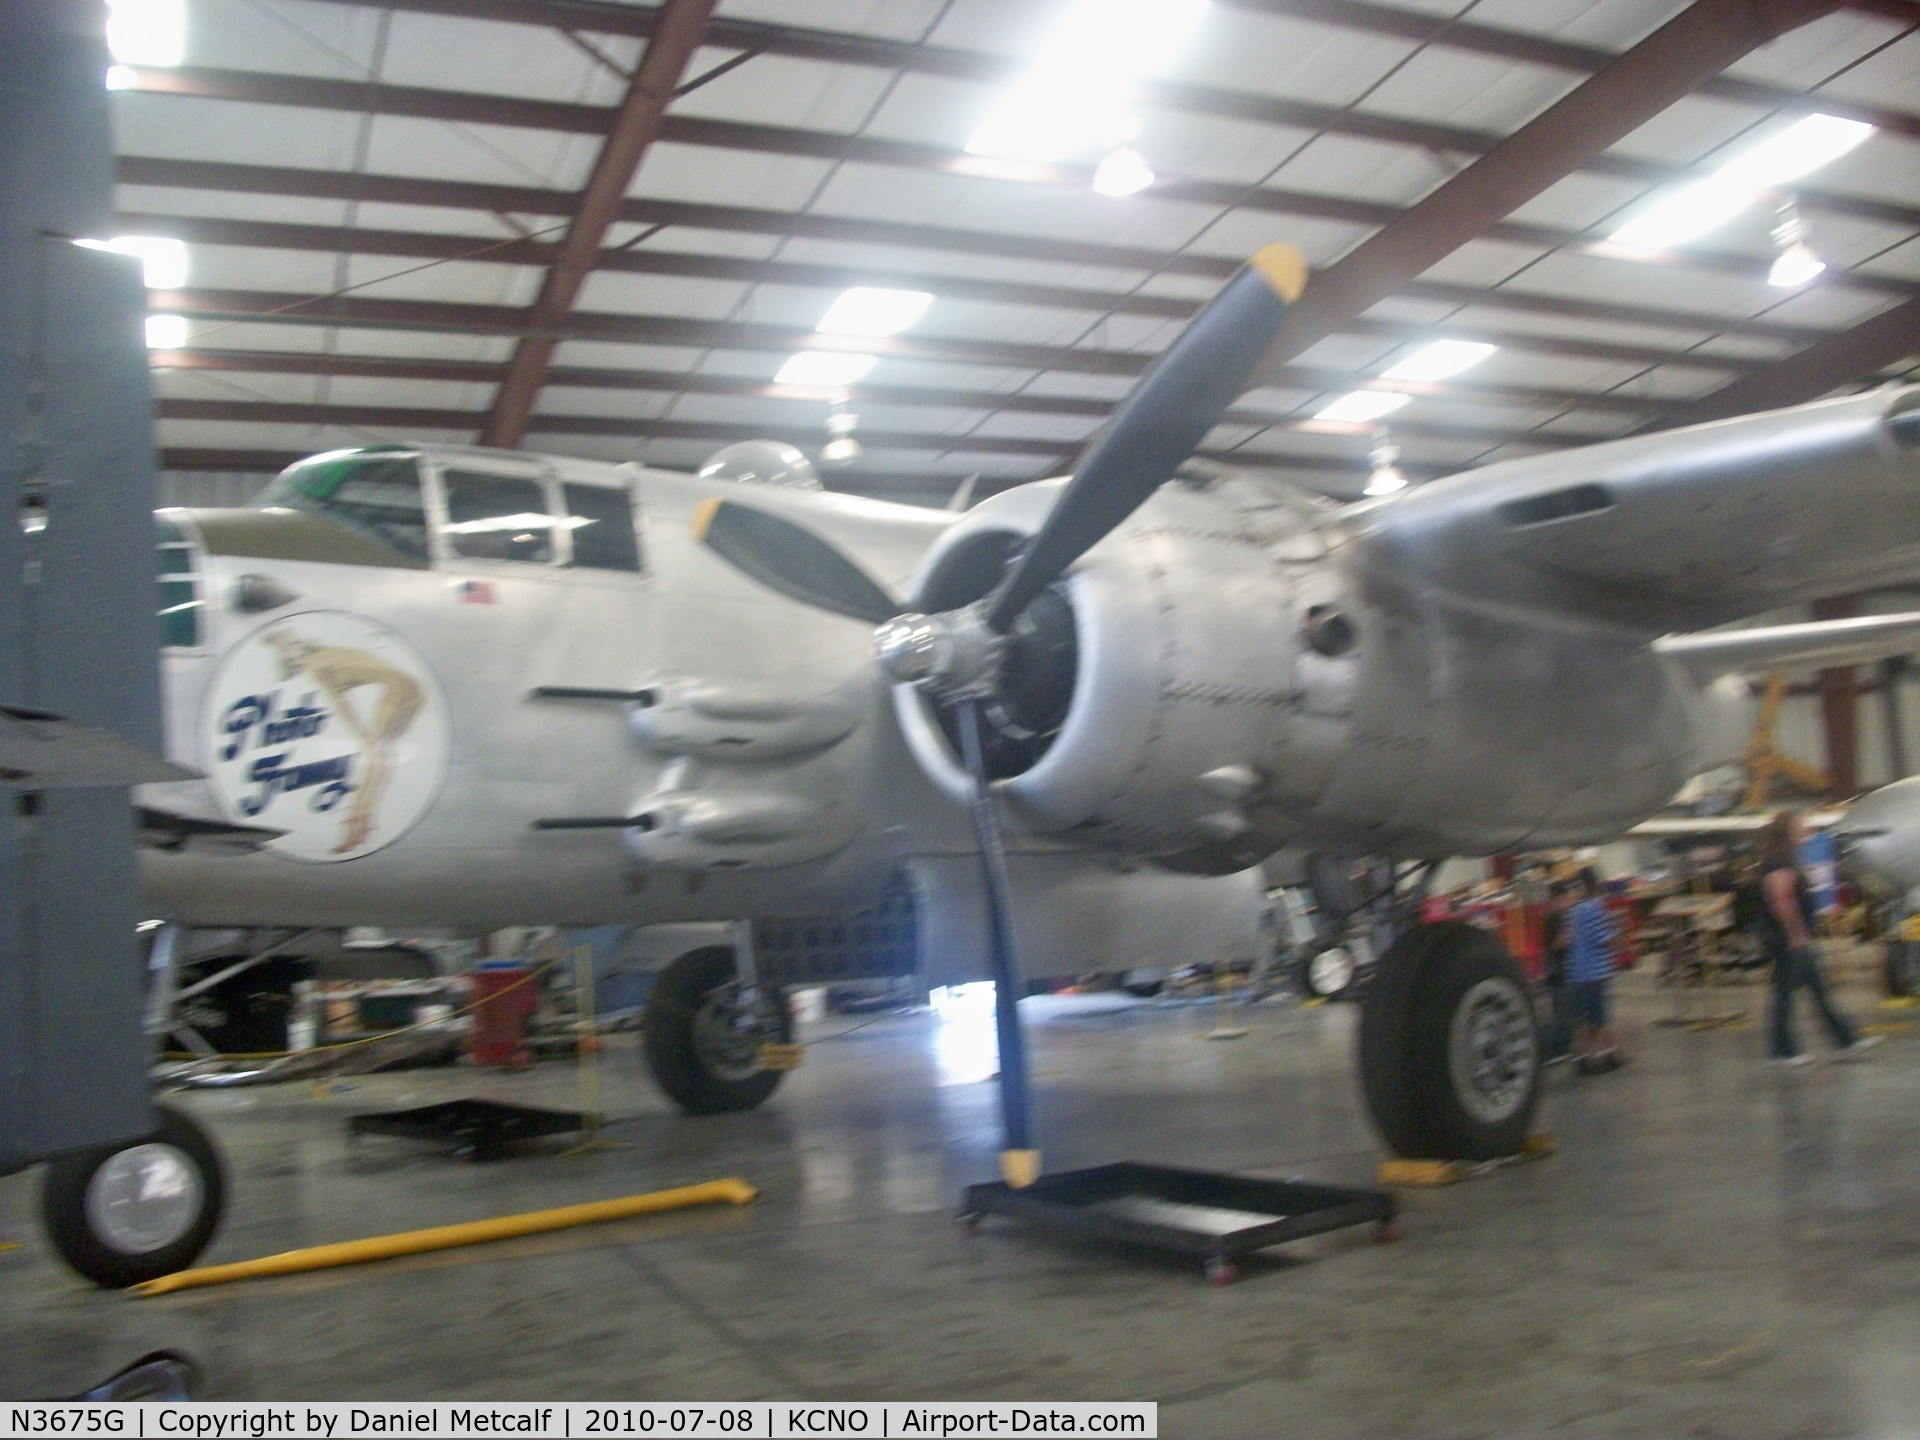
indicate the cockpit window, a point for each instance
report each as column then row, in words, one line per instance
column 497, row 517
column 179, row 588
column 601, row 521
column 374, row 493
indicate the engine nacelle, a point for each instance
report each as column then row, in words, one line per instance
column 1881, row 835
column 1192, row 677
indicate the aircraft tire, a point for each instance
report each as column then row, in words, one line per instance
column 700, row 1064
column 1902, row 972
column 1449, row 1046
column 121, row 1214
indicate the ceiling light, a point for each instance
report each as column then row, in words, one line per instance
column 1079, row 93
column 163, row 263
column 825, row 369
column 868, row 310
column 1363, row 405
column 841, row 450
column 1124, row 172
column 119, row 77
column 1691, row 211
column 1796, row 264
column 166, row 332
column 1441, row 360
column 147, row 32
column 1387, row 476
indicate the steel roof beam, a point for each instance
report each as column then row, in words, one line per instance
column 466, row 107
column 681, row 27
column 1842, row 359
column 470, row 319
column 843, row 48
column 332, row 239
column 1673, row 61
column 528, row 200
column 671, row 382
column 1427, row 28
column 386, row 417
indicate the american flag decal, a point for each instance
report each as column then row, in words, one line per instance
column 476, row 592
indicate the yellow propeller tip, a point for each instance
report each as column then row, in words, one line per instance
column 1284, row 269
column 703, row 517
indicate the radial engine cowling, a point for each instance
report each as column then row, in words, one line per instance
column 1180, row 694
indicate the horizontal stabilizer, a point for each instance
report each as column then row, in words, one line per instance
column 1792, row 647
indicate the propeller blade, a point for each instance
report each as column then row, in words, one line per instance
column 1020, row 1156
column 792, row 560
column 1160, row 424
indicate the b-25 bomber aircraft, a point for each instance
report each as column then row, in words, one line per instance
column 480, row 688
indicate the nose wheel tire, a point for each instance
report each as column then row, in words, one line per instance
column 121, row 1214
column 702, row 1033
column 1449, row 1047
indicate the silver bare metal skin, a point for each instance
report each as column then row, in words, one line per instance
column 1506, row 686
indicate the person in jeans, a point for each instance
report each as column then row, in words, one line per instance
column 1591, row 940
column 1788, row 931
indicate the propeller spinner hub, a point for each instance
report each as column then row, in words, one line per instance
column 954, row 653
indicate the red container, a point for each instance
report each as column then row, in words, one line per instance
column 502, row 1006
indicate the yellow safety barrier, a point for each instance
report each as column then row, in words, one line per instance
column 448, row 1237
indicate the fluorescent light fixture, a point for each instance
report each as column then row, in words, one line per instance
column 1691, row 211
column 163, row 263
column 147, row 32
column 868, row 310
column 1079, row 92
column 1360, row 406
column 166, row 332
column 1441, row 360
column 1124, row 172
column 825, row 369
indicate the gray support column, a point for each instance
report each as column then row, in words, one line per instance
column 78, row 635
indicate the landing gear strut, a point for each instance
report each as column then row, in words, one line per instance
column 1449, row 1048
column 121, row 1214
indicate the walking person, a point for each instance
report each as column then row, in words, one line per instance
column 1591, row 940
column 1788, row 928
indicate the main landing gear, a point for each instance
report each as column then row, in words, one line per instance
column 703, row 1030
column 1449, row 1046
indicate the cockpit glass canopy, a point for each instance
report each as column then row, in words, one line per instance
column 376, row 493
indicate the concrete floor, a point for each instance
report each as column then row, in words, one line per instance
column 1719, row 1248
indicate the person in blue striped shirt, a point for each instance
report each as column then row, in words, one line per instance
column 1591, row 940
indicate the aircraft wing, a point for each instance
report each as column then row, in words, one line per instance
column 1681, row 530
column 1783, row 647
column 1675, row 827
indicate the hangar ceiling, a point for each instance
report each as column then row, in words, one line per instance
column 602, row 228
